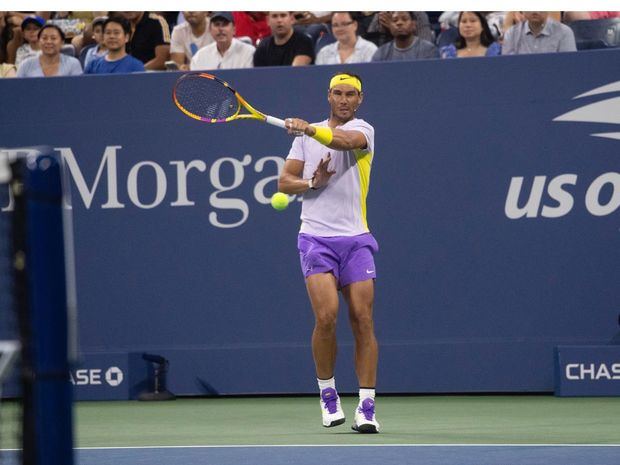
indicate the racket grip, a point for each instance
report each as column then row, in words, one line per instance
column 275, row 121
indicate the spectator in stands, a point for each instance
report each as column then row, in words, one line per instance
column 405, row 46
column 570, row 16
column 116, row 33
column 13, row 37
column 306, row 18
column 349, row 47
column 189, row 37
column 285, row 47
column 85, row 40
column 31, row 25
column 538, row 34
column 251, row 24
column 171, row 17
column 312, row 23
column 474, row 38
column 50, row 62
column 6, row 69
column 377, row 27
column 98, row 49
column 226, row 52
column 3, row 36
column 514, row 17
column 150, row 42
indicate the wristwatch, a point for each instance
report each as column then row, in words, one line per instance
column 311, row 183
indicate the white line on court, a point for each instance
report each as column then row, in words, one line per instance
column 248, row 446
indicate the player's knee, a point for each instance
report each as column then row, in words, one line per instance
column 362, row 323
column 326, row 323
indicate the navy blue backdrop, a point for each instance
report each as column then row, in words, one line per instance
column 496, row 210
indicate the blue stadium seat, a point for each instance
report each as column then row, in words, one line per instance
column 596, row 33
column 325, row 38
column 68, row 49
column 447, row 37
column 83, row 53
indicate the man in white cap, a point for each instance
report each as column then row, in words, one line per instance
column 226, row 52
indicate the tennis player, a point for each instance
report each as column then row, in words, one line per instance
column 330, row 165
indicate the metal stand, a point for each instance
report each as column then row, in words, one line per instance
column 160, row 368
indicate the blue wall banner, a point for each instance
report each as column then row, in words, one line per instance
column 494, row 196
column 102, row 377
column 587, row 370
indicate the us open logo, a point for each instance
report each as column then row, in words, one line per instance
column 604, row 111
column 602, row 193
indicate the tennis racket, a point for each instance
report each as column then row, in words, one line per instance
column 206, row 98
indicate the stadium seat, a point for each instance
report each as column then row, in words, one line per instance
column 447, row 37
column 83, row 53
column 68, row 49
column 325, row 38
column 596, row 33
column 246, row 39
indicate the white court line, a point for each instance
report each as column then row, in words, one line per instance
column 242, row 446
column 250, row 446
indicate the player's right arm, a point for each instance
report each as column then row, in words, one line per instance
column 291, row 181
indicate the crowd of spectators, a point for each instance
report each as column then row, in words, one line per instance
column 70, row 43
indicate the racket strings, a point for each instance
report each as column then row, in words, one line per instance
column 206, row 98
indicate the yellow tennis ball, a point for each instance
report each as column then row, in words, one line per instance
column 279, row 201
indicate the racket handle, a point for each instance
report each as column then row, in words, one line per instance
column 275, row 121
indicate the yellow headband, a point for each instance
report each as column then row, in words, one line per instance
column 346, row 79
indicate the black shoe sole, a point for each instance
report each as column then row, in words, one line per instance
column 335, row 423
column 365, row 429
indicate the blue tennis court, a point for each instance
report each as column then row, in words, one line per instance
column 393, row 454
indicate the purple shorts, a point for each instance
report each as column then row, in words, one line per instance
column 349, row 258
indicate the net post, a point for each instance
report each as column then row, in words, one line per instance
column 47, row 391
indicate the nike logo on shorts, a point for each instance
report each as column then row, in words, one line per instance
column 370, row 271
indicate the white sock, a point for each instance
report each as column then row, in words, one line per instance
column 326, row 383
column 366, row 393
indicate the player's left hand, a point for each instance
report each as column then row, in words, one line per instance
column 322, row 173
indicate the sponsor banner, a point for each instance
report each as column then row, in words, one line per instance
column 495, row 203
column 587, row 370
column 101, row 377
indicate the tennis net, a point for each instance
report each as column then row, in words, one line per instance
column 35, row 317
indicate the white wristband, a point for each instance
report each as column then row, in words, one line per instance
column 310, row 183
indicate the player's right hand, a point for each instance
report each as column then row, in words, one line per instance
column 296, row 126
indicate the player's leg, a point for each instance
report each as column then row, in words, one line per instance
column 360, row 297
column 323, row 293
column 357, row 280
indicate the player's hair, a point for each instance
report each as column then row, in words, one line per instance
column 51, row 26
column 486, row 38
column 118, row 20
